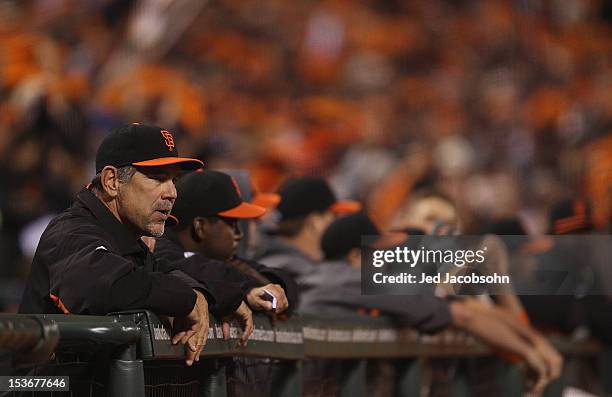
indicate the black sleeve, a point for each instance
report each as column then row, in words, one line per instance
column 279, row 276
column 227, row 286
column 167, row 294
column 91, row 279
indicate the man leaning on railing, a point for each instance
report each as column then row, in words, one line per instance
column 91, row 259
column 206, row 235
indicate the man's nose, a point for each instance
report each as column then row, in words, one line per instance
column 169, row 192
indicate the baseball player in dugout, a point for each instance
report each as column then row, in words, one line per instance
column 307, row 206
column 91, row 259
column 205, row 234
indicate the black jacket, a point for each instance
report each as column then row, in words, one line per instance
column 170, row 249
column 228, row 285
column 277, row 276
column 87, row 262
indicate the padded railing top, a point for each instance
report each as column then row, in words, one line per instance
column 294, row 338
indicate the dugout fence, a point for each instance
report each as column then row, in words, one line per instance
column 130, row 354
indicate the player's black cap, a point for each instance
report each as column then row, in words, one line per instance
column 210, row 193
column 141, row 145
column 345, row 233
column 302, row 196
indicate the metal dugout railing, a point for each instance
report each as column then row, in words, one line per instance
column 130, row 354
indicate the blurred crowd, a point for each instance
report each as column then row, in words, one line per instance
column 505, row 106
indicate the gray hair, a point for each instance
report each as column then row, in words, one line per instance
column 124, row 173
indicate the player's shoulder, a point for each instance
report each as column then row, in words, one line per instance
column 74, row 225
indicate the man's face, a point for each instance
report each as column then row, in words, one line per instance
column 221, row 238
column 145, row 201
column 431, row 212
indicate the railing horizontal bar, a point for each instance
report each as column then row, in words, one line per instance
column 19, row 333
column 88, row 331
column 293, row 339
column 28, row 339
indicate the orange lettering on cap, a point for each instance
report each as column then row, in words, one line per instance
column 169, row 139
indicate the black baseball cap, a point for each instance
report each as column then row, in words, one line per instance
column 210, row 193
column 141, row 145
column 302, row 196
column 345, row 233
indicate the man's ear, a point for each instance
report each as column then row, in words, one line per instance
column 354, row 257
column 317, row 221
column 109, row 177
column 199, row 228
column 313, row 221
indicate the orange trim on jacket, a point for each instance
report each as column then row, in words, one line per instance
column 58, row 302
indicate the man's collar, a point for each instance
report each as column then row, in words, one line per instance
column 172, row 236
column 126, row 242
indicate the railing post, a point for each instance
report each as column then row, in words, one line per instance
column 408, row 378
column 126, row 374
column 353, row 381
column 510, row 380
column 555, row 389
column 214, row 373
column 460, row 385
column 288, row 379
column 605, row 369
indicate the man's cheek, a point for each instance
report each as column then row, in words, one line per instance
column 230, row 248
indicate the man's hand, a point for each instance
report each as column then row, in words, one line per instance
column 192, row 330
column 487, row 326
column 550, row 355
column 546, row 351
column 537, row 373
column 257, row 298
column 245, row 316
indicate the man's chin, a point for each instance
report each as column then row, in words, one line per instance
column 155, row 230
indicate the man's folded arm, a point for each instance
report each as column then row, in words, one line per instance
column 281, row 277
column 167, row 294
column 94, row 280
column 226, row 286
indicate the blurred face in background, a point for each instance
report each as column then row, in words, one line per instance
column 431, row 215
column 319, row 221
column 220, row 237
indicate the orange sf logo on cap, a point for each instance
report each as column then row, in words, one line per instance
column 169, row 139
column 235, row 183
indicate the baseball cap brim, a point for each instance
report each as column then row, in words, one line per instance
column 570, row 225
column 172, row 220
column 389, row 240
column 266, row 200
column 244, row 211
column 185, row 163
column 345, row 207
